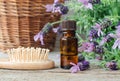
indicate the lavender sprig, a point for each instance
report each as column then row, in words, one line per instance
column 57, row 7
column 40, row 36
column 95, row 1
column 86, row 4
column 47, row 27
column 80, row 66
column 112, row 65
column 93, row 34
column 75, row 68
column 117, row 37
column 98, row 27
column 86, row 47
column 84, row 65
column 105, row 39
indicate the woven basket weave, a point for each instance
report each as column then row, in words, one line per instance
column 20, row 20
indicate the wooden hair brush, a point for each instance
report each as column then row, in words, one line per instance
column 27, row 58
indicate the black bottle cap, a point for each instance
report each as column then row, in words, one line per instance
column 68, row 25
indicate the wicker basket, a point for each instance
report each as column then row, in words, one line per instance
column 20, row 20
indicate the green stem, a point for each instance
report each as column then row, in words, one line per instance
column 57, row 22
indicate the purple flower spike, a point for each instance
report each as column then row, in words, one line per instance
column 74, row 68
column 84, row 66
column 99, row 50
column 105, row 39
column 113, row 35
column 86, row 4
column 95, row 1
column 116, row 44
column 57, row 7
column 93, row 34
column 47, row 27
column 49, row 8
column 89, row 6
column 86, row 47
column 90, row 47
column 98, row 27
column 117, row 37
column 56, row 29
column 112, row 65
column 56, row 1
column 85, row 63
column 81, row 58
column 80, row 66
column 118, row 29
column 64, row 10
column 39, row 36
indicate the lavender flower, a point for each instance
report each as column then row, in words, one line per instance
column 86, row 47
column 74, row 68
column 93, row 34
column 40, row 36
column 106, row 23
column 98, row 27
column 86, row 4
column 89, row 47
column 84, row 65
column 82, row 48
column 117, row 37
column 81, row 58
column 118, row 29
column 57, row 7
column 105, row 39
column 56, row 1
column 99, row 50
column 80, row 66
column 118, row 23
column 60, row 8
column 97, row 1
column 94, row 1
column 116, row 43
column 112, row 65
column 64, row 9
column 56, row 29
column 50, row 7
column 94, row 43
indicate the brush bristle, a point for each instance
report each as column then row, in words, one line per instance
column 32, row 54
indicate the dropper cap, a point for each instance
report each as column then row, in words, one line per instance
column 68, row 25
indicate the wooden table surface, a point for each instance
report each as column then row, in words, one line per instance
column 58, row 74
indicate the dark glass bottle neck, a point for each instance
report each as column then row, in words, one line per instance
column 69, row 33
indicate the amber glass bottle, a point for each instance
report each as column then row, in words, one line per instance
column 68, row 44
